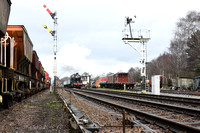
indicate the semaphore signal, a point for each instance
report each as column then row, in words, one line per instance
column 141, row 36
column 50, row 31
column 54, row 34
column 51, row 14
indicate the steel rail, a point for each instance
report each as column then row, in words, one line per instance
column 185, row 100
column 175, row 108
column 162, row 122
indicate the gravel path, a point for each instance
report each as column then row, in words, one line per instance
column 42, row 112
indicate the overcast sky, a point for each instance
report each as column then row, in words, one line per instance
column 90, row 31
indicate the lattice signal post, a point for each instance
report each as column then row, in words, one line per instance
column 54, row 34
column 141, row 36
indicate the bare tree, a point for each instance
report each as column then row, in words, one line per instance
column 178, row 46
column 193, row 54
column 134, row 74
column 162, row 65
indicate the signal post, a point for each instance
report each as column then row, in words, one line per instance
column 54, row 34
column 141, row 36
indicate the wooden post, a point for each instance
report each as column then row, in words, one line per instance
column 124, row 116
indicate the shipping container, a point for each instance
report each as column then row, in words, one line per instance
column 4, row 15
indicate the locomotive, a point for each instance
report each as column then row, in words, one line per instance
column 21, row 72
column 75, row 81
column 78, row 81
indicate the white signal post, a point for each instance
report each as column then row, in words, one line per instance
column 54, row 34
column 137, row 36
column 55, row 50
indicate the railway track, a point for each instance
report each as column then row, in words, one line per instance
column 174, row 120
column 192, row 93
column 180, row 101
column 110, row 120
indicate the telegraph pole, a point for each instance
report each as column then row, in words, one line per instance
column 54, row 34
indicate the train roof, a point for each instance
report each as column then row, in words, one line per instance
column 122, row 73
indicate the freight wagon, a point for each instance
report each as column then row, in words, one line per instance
column 117, row 81
column 21, row 72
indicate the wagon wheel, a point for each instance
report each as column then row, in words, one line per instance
column 7, row 101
